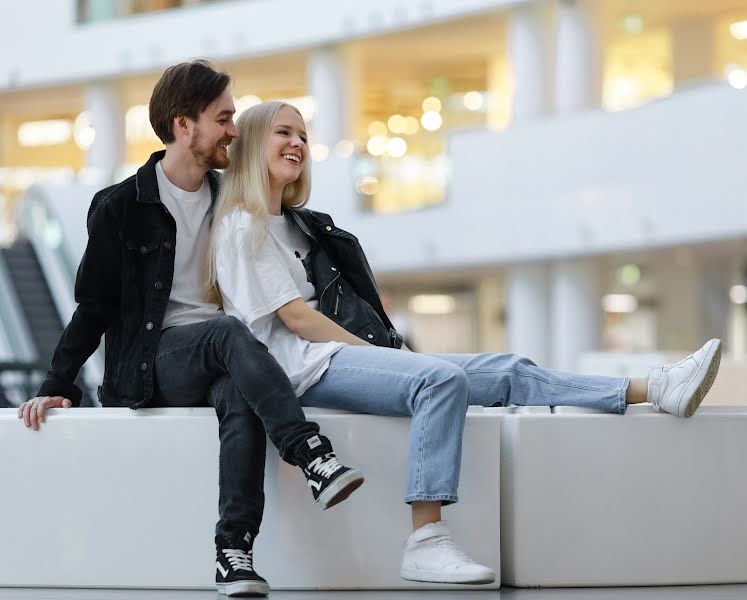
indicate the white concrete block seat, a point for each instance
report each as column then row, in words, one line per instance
column 106, row 497
column 591, row 499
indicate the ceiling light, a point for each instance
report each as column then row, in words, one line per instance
column 432, row 304
column 396, row 147
column 739, row 30
column 431, row 104
column 619, row 303
column 738, row 294
column 431, row 120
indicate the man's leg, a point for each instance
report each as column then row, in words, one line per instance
column 191, row 357
column 241, row 471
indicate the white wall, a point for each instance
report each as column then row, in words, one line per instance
column 668, row 173
column 43, row 45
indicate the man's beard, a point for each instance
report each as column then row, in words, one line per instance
column 214, row 159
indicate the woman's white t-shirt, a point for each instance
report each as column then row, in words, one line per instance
column 255, row 283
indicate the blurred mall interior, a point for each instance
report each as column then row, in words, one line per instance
column 558, row 178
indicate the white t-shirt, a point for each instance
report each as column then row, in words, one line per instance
column 255, row 283
column 191, row 211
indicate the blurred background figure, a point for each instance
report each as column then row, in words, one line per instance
column 557, row 178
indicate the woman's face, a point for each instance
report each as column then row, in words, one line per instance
column 287, row 152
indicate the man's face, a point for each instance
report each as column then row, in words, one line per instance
column 213, row 132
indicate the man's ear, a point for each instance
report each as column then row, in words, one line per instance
column 180, row 125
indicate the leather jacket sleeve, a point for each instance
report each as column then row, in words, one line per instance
column 97, row 287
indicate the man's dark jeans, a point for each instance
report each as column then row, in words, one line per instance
column 220, row 363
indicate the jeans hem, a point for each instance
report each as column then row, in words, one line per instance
column 622, row 404
column 444, row 498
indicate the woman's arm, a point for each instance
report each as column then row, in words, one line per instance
column 312, row 325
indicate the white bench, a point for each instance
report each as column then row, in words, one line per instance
column 590, row 499
column 105, row 497
column 586, row 499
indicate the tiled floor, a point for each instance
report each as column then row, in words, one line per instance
column 715, row 592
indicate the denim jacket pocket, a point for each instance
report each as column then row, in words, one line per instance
column 142, row 247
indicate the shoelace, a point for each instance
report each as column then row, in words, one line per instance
column 325, row 467
column 446, row 543
column 239, row 559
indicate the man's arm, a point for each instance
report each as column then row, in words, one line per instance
column 97, row 291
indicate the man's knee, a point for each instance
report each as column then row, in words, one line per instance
column 230, row 330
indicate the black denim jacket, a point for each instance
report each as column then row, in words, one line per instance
column 343, row 280
column 122, row 289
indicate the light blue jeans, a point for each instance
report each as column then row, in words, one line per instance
column 435, row 390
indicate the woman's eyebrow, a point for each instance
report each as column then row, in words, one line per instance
column 280, row 125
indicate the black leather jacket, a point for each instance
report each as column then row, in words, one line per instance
column 122, row 289
column 344, row 283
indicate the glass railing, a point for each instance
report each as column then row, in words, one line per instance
column 52, row 236
column 15, row 338
column 93, row 11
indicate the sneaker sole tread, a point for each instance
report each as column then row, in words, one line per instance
column 435, row 577
column 705, row 385
column 340, row 489
column 244, row 588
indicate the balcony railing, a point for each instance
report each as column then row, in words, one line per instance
column 92, row 11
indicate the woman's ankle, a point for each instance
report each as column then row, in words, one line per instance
column 424, row 513
column 637, row 391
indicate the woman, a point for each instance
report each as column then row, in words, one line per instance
column 261, row 251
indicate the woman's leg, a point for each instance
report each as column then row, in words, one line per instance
column 435, row 393
column 384, row 381
column 506, row 379
column 509, row 379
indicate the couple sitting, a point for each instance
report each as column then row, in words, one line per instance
column 229, row 292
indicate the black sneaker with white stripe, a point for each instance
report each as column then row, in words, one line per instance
column 330, row 482
column 235, row 574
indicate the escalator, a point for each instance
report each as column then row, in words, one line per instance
column 37, row 307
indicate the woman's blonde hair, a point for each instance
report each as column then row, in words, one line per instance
column 245, row 185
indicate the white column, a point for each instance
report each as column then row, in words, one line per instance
column 332, row 78
column 693, row 50
column 106, row 153
column 578, row 58
column 530, row 46
column 527, row 311
column 576, row 313
column 491, row 330
column 679, row 298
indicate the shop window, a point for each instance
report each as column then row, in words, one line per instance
column 638, row 69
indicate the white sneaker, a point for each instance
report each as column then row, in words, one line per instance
column 680, row 387
column 431, row 555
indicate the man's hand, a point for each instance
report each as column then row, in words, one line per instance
column 32, row 412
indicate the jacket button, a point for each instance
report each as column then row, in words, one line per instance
column 143, row 366
column 158, row 285
column 333, row 268
column 149, row 325
column 370, row 336
column 167, row 245
column 328, row 228
column 143, row 250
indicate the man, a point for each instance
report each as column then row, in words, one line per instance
column 140, row 283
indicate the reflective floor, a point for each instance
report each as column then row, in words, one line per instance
column 716, row 592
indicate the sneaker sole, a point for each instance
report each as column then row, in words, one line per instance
column 340, row 489
column 244, row 588
column 714, row 360
column 435, row 577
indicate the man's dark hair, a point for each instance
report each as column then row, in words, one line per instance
column 184, row 90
